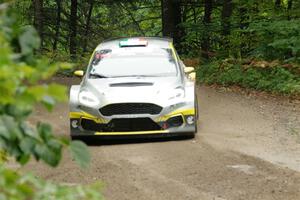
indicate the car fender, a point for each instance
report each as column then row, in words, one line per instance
column 190, row 92
column 73, row 102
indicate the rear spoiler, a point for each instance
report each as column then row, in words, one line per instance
column 168, row 39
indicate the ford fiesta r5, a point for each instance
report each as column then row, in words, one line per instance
column 134, row 86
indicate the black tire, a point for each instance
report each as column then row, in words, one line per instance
column 196, row 114
column 75, row 137
column 190, row 136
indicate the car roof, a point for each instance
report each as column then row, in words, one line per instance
column 161, row 42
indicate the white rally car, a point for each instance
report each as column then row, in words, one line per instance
column 134, row 86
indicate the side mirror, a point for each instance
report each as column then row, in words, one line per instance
column 189, row 70
column 79, row 73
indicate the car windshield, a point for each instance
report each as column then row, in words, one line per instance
column 134, row 63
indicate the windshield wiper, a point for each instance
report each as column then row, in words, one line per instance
column 98, row 75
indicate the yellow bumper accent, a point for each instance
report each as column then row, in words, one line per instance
column 132, row 132
column 176, row 112
column 85, row 115
column 79, row 115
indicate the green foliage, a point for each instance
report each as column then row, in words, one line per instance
column 29, row 40
column 249, row 29
column 23, row 85
column 109, row 19
column 277, row 39
column 79, row 153
column 256, row 29
column 3, row 157
column 21, row 89
column 275, row 79
column 13, row 186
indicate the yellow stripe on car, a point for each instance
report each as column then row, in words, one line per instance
column 173, row 51
column 132, row 132
column 80, row 114
column 176, row 112
column 85, row 115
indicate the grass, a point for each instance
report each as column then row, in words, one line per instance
column 274, row 78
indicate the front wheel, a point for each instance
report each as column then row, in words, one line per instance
column 192, row 136
column 72, row 137
column 196, row 114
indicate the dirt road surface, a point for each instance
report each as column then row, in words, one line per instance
column 247, row 147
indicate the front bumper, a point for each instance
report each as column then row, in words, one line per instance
column 164, row 126
column 133, row 134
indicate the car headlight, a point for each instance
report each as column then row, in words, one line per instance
column 176, row 93
column 87, row 98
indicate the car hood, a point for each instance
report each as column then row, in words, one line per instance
column 132, row 89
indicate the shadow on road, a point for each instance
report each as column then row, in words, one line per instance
column 97, row 141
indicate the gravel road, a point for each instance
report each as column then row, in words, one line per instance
column 247, row 147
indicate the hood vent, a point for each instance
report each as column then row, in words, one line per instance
column 131, row 84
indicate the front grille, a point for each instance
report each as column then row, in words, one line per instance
column 133, row 124
column 90, row 125
column 130, row 108
column 121, row 125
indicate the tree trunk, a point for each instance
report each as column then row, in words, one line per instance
column 87, row 26
column 290, row 4
column 289, row 8
column 73, row 29
column 57, row 25
column 171, row 19
column 244, row 23
column 205, row 45
column 226, row 14
column 207, row 11
column 38, row 18
column 277, row 4
column 225, row 21
column 244, row 18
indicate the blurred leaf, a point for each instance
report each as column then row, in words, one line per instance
column 47, row 155
column 23, row 159
column 27, row 145
column 11, row 127
column 80, row 153
column 58, row 92
column 4, row 133
column 48, row 102
column 65, row 65
column 45, row 131
column 54, row 144
column 21, row 73
column 15, row 186
column 29, row 40
column 37, row 91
